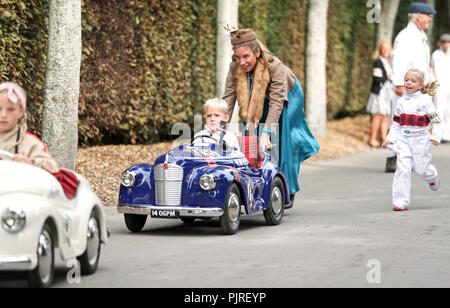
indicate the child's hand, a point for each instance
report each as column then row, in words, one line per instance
column 434, row 142
column 385, row 144
column 21, row 159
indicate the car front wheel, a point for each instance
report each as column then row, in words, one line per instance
column 188, row 220
column 90, row 258
column 231, row 217
column 274, row 213
column 42, row 275
column 135, row 223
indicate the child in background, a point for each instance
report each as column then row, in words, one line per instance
column 14, row 138
column 216, row 110
column 382, row 93
column 411, row 138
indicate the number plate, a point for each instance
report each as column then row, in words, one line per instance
column 165, row 214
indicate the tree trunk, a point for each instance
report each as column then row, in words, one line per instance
column 316, row 79
column 227, row 16
column 429, row 32
column 62, row 81
column 389, row 9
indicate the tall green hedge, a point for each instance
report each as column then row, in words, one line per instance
column 281, row 26
column 147, row 64
column 23, row 46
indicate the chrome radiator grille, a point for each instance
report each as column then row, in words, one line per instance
column 169, row 181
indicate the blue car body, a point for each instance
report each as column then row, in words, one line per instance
column 173, row 183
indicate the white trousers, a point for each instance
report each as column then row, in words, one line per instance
column 413, row 153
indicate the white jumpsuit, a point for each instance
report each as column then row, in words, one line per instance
column 412, row 143
column 441, row 70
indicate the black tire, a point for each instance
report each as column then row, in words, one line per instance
column 187, row 220
column 135, row 223
column 274, row 213
column 46, row 254
column 90, row 258
column 231, row 218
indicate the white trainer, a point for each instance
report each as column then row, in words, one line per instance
column 398, row 208
column 434, row 186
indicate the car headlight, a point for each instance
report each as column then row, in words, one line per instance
column 128, row 178
column 13, row 220
column 207, row 182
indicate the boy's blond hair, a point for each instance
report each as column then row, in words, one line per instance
column 217, row 103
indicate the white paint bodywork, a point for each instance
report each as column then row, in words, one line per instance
column 41, row 197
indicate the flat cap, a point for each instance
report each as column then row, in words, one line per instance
column 422, row 8
column 242, row 36
column 445, row 37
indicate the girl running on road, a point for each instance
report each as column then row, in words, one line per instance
column 411, row 139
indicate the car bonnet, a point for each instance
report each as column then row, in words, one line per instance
column 23, row 178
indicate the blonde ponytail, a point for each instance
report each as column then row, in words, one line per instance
column 430, row 88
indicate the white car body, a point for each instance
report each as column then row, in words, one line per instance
column 41, row 198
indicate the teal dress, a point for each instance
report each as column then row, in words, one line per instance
column 295, row 141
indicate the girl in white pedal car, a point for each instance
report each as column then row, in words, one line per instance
column 414, row 132
column 14, row 138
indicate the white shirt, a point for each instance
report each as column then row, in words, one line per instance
column 387, row 66
column 411, row 50
column 229, row 138
column 441, row 67
column 416, row 104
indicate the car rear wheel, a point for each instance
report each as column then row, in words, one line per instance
column 135, row 223
column 90, row 258
column 274, row 213
column 42, row 275
column 231, row 217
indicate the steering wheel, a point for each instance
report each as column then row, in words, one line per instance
column 204, row 136
column 225, row 144
column 6, row 154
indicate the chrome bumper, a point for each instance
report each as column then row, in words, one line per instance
column 184, row 212
column 15, row 264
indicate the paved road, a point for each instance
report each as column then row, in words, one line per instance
column 342, row 232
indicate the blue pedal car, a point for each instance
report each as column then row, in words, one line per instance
column 202, row 181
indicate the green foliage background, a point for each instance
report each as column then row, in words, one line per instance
column 23, row 47
column 147, row 64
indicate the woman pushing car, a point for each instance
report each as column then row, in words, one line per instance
column 269, row 95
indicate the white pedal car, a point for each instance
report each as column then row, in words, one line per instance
column 38, row 215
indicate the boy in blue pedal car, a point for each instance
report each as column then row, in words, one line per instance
column 216, row 111
column 207, row 178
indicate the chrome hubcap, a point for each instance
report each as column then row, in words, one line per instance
column 45, row 256
column 93, row 241
column 233, row 208
column 276, row 200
